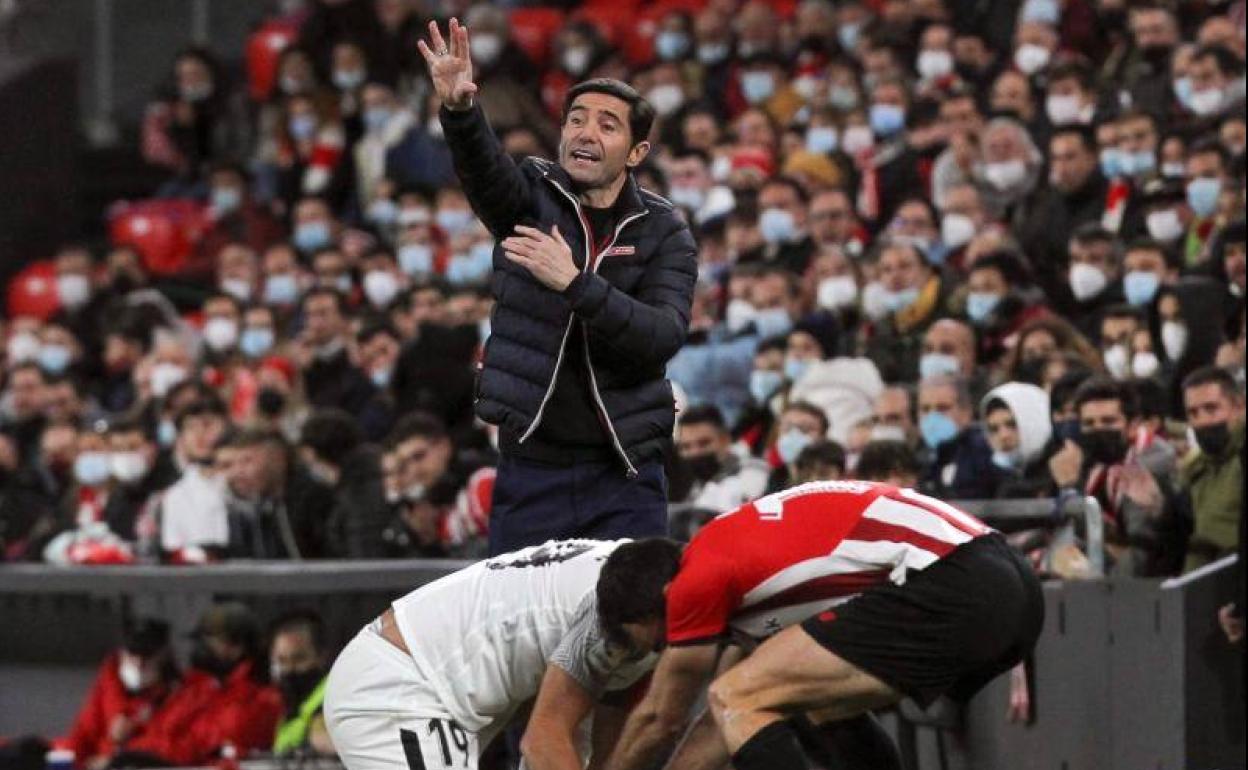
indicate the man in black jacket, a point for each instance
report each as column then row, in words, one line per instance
column 593, row 282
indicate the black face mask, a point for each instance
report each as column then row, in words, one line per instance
column 1213, row 439
column 1104, row 446
column 204, row 659
column 270, row 402
column 297, row 686
column 1157, row 55
column 1031, row 370
column 703, row 467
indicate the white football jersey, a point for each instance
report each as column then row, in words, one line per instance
column 483, row 636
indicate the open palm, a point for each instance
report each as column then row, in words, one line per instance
column 450, row 67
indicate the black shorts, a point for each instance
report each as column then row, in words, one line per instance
column 949, row 630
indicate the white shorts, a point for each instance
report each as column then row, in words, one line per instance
column 383, row 715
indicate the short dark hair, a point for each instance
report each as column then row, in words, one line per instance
column 416, row 424
column 374, row 326
column 1103, row 388
column 1228, row 63
column 789, row 182
column 1210, row 145
column 630, row 586
column 303, row 619
column 882, row 459
column 1083, row 133
column 640, row 111
column 1073, row 69
column 703, row 414
column 1213, row 375
column 1064, row 390
column 821, row 452
column 254, row 437
column 207, row 404
column 340, row 299
column 812, row 410
column 332, row 434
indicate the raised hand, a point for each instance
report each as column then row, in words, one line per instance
column 450, row 67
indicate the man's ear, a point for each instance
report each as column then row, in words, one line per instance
column 637, row 154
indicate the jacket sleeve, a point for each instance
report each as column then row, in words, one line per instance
column 491, row 180
column 650, row 325
column 88, row 735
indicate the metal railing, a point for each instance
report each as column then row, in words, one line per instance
column 1048, row 511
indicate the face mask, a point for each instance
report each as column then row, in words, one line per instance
column 128, row 467
column 380, row 286
column 195, row 93
column 1144, row 365
column 291, row 85
column 472, row 267
column 1183, row 91
column 843, row 97
column 1202, row 195
column 416, row 259
column 1107, row 447
column 1031, row 58
column 1140, row 286
column 847, row 35
column 821, row 139
column 777, row 226
column 1206, row 102
column 1006, row 461
column 887, row 119
column 1173, row 170
column 934, row 364
column 713, row 53
column 166, row 433
column 54, row 359
column 225, row 200
column 381, row 378
column 791, row 444
column 721, row 168
column 1117, row 361
column 703, row 467
column 576, row 60
column 256, row 342
column 454, row 221
column 934, row 64
column 131, row 674
column 666, row 98
column 757, row 86
column 670, row 44
column 91, row 468
column 875, row 301
column 794, row 368
column 1087, row 281
column 236, row 288
column 281, row 289
column 296, row 687
column 691, row 198
column 956, row 230
column 164, row 377
column 340, row 283
column 376, row 118
column 203, row 658
column 220, row 334
column 739, row 314
column 1062, row 109
column 301, row 127
column 764, row 383
column 23, row 347
column 857, row 139
column 1044, row 11
column 1164, row 225
column 896, row 301
column 1213, row 439
column 311, row 236
column 979, row 306
column 383, row 212
column 837, row 293
column 937, row 428
column 772, row 323
column 1174, row 339
column 1111, row 162
column 486, row 48
column 348, row 80
column 888, row 433
column 1138, row 163
column 805, row 86
column 1006, row 175
column 73, row 290
column 270, row 402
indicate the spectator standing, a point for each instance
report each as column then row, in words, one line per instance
column 1214, row 477
column 332, row 446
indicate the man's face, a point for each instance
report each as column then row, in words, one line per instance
column 132, row 441
column 379, row 353
column 1209, row 405
column 1002, row 430
column 964, row 200
column 199, row 434
column 1071, row 163
column 804, row 347
column 987, row 281
column 1010, row 94
column 329, row 267
column 783, row 197
column 1145, row 261
column 28, row 393
column 943, row 399
column 1117, row 330
column 312, row 210
column 831, row 218
column 689, row 172
column 293, row 652
column 961, row 116
column 1097, row 253
column 237, row 262
column 771, row 291
column 595, row 143
column 1204, row 165
column 219, row 307
column 1137, row 135
column 1102, row 415
column 1153, row 28
column 422, row 461
column 1236, row 265
column 801, row 421
column 323, row 320
column 700, row 439
column 62, row 402
column 900, row 269
column 952, row 339
column 892, row 408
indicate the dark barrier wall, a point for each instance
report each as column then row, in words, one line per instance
column 1130, row 675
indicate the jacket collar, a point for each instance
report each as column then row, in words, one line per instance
column 628, row 203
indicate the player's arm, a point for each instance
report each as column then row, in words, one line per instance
column 703, row 748
column 608, row 724
column 656, row 724
column 549, row 741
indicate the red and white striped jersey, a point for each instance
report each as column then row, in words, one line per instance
column 784, row 557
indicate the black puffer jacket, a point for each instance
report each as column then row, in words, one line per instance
column 633, row 298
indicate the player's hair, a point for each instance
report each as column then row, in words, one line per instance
column 630, row 587
column 881, row 460
column 640, row 112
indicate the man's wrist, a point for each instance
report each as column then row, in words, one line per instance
column 467, row 105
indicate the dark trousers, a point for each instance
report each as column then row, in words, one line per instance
column 534, row 503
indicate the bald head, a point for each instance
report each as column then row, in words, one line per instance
column 952, row 338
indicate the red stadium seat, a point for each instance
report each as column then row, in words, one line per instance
column 163, row 231
column 533, row 29
column 264, row 48
column 615, row 22
column 32, row 292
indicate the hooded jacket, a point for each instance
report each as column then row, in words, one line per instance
column 1029, row 404
column 632, row 298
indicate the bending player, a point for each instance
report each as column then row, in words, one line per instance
column 428, row 684
column 897, row 594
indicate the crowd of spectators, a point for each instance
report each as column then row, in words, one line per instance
column 996, row 250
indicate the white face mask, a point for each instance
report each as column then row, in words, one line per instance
column 956, row 230
column 1031, row 58
column 666, row 98
column 576, row 60
column 739, row 314
column 73, row 290
column 128, row 467
column 164, row 377
column 1144, row 364
column 380, row 286
column 1164, row 225
column 838, row 292
column 934, row 64
column 1174, row 339
column 1062, row 109
column 875, row 301
column 130, row 673
column 888, row 433
column 1117, row 361
column 486, row 47
column 1087, row 281
column 1206, row 102
column 237, row 288
column 1006, row 175
column 23, row 346
column 221, row 333
column 856, row 139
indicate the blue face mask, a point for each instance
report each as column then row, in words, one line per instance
column 416, row 258
column 1044, row 11
column 166, row 433
column 376, row 118
column 772, row 323
column 1006, row 461
column 937, row 428
column 1140, row 286
column 471, row 267
column 281, row 289
column 383, row 212
column 670, row 44
column 896, row 301
column 1183, row 91
column 302, row 127
column 821, row 139
column 225, row 199
column 979, row 305
column 791, row 444
column 256, row 342
column 847, row 36
column 310, row 236
column 1202, row 196
column 54, row 359
column 381, row 378
column 934, row 364
column 794, row 368
column 757, row 86
column 1138, row 163
column 887, row 119
column 454, row 221
column 91, row 468
column 777, row 226
column 1111, row 162
column 764, row 383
